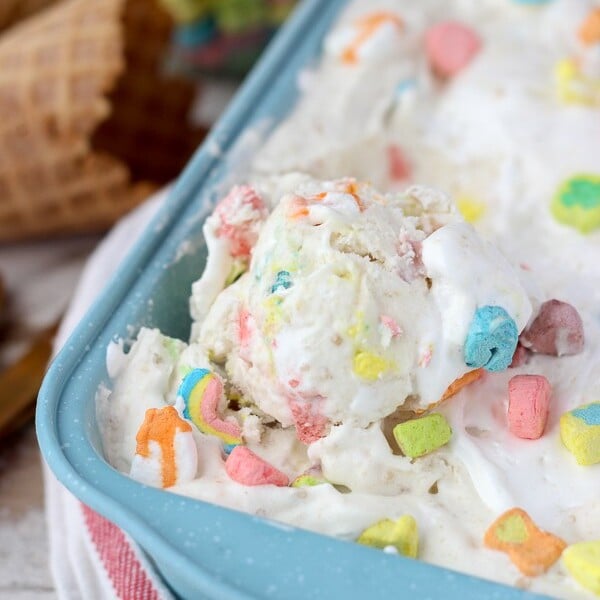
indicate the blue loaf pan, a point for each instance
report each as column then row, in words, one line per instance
column 202, row 550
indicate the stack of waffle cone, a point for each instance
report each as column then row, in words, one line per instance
column 12, row 11
column 148, row 127
column 55, row 70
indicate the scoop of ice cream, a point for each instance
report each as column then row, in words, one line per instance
column 355, row 303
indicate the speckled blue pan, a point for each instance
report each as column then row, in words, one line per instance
column 201, row 550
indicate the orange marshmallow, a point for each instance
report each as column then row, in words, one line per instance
column 461, row 382
column 589, row 32
column 532, row 550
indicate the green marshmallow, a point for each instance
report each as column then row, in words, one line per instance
column 577, row 203
column 423, row 435
column 238, row 268
column 401, row 534
column 307, row 480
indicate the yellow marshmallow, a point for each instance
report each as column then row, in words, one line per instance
column 583, row 563
column 401, row 534
column 471, row 210
column 369, row 366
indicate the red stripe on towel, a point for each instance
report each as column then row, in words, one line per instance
column 128, row 576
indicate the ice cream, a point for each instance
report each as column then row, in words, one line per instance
column 331, row 310
column 355, row 301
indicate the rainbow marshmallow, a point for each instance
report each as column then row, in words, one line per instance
column 201, row 391
column 580, row 433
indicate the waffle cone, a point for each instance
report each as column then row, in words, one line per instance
column 148, row 127
column 55, row 70
column 12, row 11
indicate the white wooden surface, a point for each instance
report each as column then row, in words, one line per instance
column 40, row 279
column 24, row 572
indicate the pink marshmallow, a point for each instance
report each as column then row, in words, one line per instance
column 392, row 325
column 425, row 358
column 311, row 425
column 241, row 232
column 450, row 47
column 247, row 468
column 243, row 327
column 398, row 166
column 520, row 357
column 557, row 330
column 528, row 405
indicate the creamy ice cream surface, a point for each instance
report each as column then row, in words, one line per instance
column 345, row 297
column 339, row 318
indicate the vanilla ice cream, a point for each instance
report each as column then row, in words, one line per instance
column 339, row 292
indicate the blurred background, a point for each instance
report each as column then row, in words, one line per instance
column 102, row 103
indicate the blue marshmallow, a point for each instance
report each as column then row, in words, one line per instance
column 283, row 280
column 492, row 339
column 589, row 414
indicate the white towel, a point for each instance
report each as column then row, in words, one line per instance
column 91, row 558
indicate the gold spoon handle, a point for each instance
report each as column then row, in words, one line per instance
column 20, row 383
